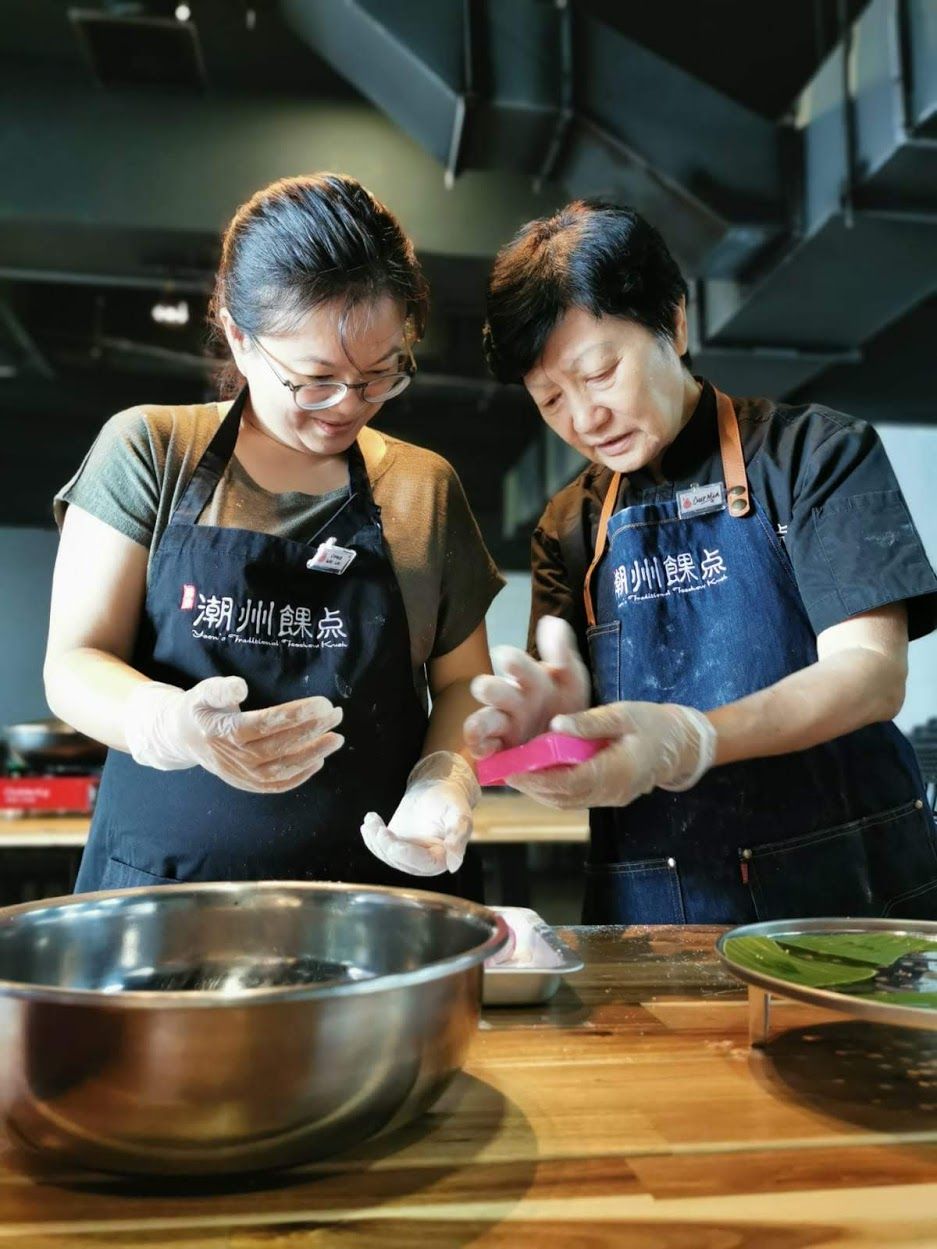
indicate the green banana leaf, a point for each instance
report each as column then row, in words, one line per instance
column 875, row 949
column 765, row 955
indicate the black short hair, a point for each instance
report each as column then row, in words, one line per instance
column 305, row 241
column 592, row 254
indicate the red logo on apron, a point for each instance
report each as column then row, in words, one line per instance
column 188, row 598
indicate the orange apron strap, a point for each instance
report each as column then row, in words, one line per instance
column 610, row 499
column 733, row 460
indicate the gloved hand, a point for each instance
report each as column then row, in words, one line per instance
column 429, row 831
column 525, row 695
column 650, row 745
column 264, row 752
column 522, row 938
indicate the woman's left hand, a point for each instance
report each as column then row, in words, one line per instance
column 430, row 829
column 650, row 745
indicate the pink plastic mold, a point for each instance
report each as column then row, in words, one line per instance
column 549, row 750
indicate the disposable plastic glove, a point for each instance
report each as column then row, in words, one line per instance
column 521, row 944
column 263, row 752
column 429, row 831
column 650, row 745
column 524, row 695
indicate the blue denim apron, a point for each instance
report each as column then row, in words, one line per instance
column 224, row 602
column 703, row 610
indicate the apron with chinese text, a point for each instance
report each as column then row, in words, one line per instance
column 224, row 602
column 701, row 607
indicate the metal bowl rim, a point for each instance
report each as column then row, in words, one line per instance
column 203, row 999
column 841, row 1003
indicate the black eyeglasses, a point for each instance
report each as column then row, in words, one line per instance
column 314, row 396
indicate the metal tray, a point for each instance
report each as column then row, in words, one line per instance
column 528, row 983
column 762, row 986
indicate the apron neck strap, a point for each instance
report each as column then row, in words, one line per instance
column 738, row 500
column 358, row 481
column 611, row 497
column 733, row 458
column 211, row 467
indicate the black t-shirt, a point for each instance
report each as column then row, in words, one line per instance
column 823, row 480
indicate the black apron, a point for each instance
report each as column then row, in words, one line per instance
column 703, row 609
column 226, row 602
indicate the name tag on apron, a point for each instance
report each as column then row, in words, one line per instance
column 698, row 500
column 330, row 557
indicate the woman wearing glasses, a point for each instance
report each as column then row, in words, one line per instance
column 237, row 581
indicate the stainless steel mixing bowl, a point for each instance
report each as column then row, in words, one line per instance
column 204, row 1028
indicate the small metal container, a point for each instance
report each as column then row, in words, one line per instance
column 204, row 1028
column 535, row 979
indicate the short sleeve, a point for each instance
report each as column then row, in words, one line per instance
column 118, row 481
column 469, row 578
column 551, row 593
column 851, row 539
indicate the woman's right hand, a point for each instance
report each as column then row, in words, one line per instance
column 523, row 697
column 267, row 751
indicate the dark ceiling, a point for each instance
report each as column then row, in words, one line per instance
column 239, row 53
column 116, row 193
column 760, row 54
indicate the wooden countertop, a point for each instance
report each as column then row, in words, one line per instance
column 499, row 818
column 513, row 817
column 629, row 1112
column 42, row 832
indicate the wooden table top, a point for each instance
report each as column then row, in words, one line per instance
column 627, row 1112
column 500, row 818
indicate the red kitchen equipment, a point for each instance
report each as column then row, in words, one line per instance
column 51, row 769
column 47, row 795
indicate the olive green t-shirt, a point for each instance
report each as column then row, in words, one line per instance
column 138, row 467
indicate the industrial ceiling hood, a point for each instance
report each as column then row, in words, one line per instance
column 805, row 239
column 534, row 87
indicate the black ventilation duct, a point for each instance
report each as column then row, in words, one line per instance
column 134, row 50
